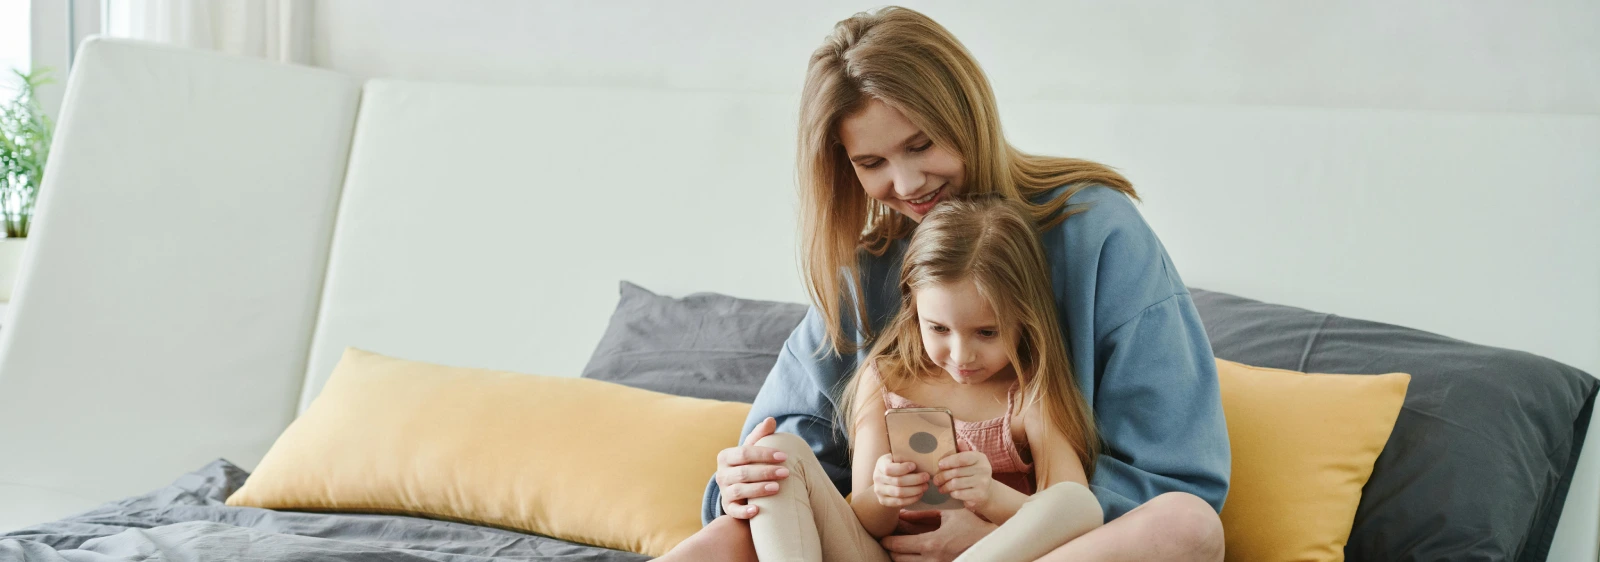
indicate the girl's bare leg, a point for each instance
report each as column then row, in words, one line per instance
column 1049, row 519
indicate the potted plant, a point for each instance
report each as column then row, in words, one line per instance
column 25, row 132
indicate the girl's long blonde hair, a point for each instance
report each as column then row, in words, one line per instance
column 914, row 65
column 992, row 242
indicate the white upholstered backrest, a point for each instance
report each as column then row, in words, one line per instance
column 469, row 210
column 170, row 284
column 1484, row 227
column 489, row 227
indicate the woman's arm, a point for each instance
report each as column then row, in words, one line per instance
column 1141, row 357
column 1159, row 411
column 799, row 392
column 796, row 395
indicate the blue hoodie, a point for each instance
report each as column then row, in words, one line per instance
column 1137, row 348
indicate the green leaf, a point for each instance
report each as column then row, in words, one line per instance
column 25, row 134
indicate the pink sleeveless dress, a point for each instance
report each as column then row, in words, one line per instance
column 992, row 438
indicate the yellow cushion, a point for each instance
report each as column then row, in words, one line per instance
column 1303, row 446
column 576, row 459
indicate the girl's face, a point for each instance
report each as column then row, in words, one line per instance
column 897, row 163
column 960, row 332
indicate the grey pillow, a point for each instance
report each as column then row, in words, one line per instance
column 704, row 345
column 1483, row 453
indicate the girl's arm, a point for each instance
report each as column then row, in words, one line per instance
column 1054, row 462
column 1002, row 501
column 871, row 441
column 1054, row 459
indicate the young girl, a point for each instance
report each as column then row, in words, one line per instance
column 977, row 334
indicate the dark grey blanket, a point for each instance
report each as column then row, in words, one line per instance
column 189, row 521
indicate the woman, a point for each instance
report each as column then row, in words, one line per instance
column 896, row 116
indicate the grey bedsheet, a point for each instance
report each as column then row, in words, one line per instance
column 188, row 520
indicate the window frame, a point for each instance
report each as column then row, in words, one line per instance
column 55, row 29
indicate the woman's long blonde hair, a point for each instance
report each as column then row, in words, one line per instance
column 992, row 242
column 914, row 65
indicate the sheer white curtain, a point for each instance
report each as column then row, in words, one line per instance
column 278, row 30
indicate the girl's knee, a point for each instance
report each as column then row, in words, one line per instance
column 1069, row 490
column 1070, row 500
column 789, row 443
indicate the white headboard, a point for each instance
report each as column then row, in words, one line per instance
column 489, row 227
column 1484, row 227
column 1463, row 224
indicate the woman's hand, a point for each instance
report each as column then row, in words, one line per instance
column 966, row 476
column 897, row 484
column 749, row 471
column 957, row 530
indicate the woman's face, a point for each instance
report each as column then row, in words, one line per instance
column 897, row 164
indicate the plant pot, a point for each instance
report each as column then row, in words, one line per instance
column 10, row 262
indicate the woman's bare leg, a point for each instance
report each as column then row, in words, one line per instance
column 1173, row 526
column 727, row 539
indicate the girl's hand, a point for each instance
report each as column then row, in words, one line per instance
column 966, row 476
column 750, row 471
column 897, row 484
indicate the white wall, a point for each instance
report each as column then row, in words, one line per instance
column 13, row 43
column 1470, row 55
column 1518, row 267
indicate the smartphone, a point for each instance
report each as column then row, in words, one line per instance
column 923, row 436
